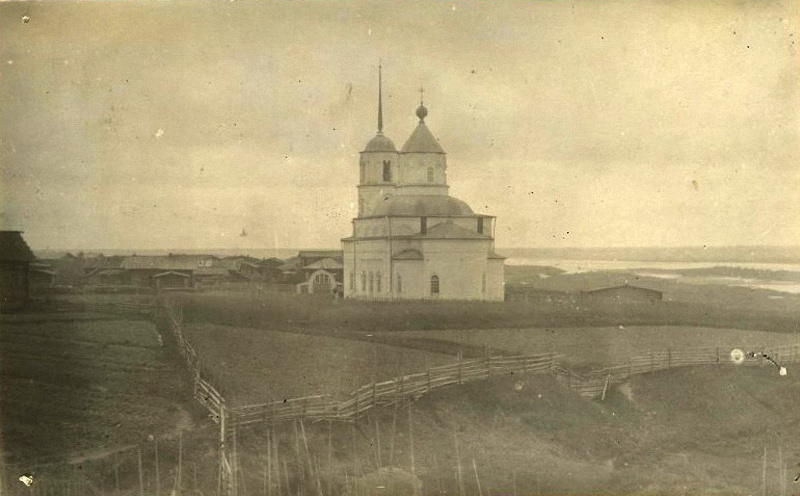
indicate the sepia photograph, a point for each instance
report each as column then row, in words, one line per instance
column 399, row 248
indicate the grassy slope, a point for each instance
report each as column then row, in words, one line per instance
column 255, row 365
column 68, row 387
column 663, row 441
column 593, row 345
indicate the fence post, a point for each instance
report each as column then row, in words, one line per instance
column 429, row 379
column 460, row 381
column 605, row 388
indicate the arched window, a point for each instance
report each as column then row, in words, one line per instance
column 363, row 280
column 371, row 282
column 399, row 283
column 378, row 282
column 387, row 171
column 434, row 285
column 352, row 281
column 430, row 174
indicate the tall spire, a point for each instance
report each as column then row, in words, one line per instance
column 380, row 100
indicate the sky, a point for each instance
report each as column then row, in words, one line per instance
column 156, row 125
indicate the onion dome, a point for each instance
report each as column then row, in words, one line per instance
column 380, row 143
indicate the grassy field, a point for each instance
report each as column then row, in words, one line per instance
column 256, row 365
column 587, row 346
column 684, row 305
column 75, row 386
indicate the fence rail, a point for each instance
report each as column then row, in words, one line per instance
column 395, row 391
column 594, row 383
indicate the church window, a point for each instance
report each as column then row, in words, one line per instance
column 480, row 225
column 378, row 282
column 430, row 174
column 352, row 281
column 371, row 282
column 363, row 281
column 399, row 283
column 434, row 285
column 387, row 171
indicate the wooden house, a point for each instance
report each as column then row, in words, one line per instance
column 15, row 260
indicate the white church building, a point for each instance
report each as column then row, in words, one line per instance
column 411, row 239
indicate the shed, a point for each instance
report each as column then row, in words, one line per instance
column 623, row 294
column 15, row 260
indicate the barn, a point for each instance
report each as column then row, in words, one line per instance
column 624, row 294
column 15, row 261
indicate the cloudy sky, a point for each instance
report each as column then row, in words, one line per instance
column 617, row 123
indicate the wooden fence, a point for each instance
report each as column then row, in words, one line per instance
column 395, row 391
column 595, row 383
column 592, row 384
column 204, row 392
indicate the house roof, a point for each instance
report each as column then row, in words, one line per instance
column 171, row 272
column 326, row 263
column 409, row 254
column 291, row 264
column 13, row 247
column 320, row 253
column 159, row 263
column 109, row 272
column 211, row 271
column 623, row 286
column 112, row 262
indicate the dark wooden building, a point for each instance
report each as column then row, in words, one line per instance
column 15, row 265
column 624, row 294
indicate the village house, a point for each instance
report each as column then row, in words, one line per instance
column 624, row 294
column 15, row 261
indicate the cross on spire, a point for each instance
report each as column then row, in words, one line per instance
column 421, row 94
column 380, row 99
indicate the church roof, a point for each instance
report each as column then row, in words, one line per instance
column 449, row 230
column 422, row 141
column 409, row 254
column 380, row 143
column 422, row 205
